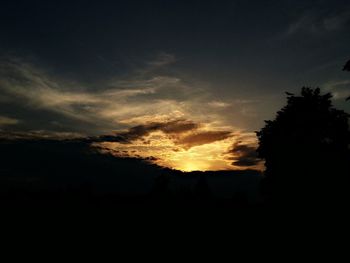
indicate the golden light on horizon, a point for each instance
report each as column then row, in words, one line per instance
column 164, row 151
column 191, row 165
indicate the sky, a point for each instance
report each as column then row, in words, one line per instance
column 184, row 84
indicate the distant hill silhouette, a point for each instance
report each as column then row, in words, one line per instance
column 71, row 173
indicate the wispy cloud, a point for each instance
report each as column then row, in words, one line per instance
column 6, row 121
column 138, row 132
column 318, row 22
column 120, row 102
column 340, row 89
column 162, row 59
column 219, row 104
column 39, row 135
column 25, row 84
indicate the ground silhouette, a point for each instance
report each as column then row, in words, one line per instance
column 306, row 152
column 71, row 173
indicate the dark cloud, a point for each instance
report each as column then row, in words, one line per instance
column 177, row 129
column 203, row 138
column 137, row 132
column 41, row 135
column 244, row 155
column 109, row 138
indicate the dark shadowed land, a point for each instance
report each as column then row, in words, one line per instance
column 69, row 173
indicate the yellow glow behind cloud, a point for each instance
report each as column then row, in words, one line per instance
column 206, row 157
column 138, row 100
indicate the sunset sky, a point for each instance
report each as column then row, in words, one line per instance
column 184, row 84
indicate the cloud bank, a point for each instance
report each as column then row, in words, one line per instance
column 163, row 118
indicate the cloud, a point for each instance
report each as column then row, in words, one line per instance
column 244, row 155
column 319, row 22
column 219, row 104
column 40, row 134
column 163, row 59
column 5, row 121
column 337, row 21
column 180, row 144
column 137, row 132
column 200, row 138
column 204, row 149
column 175, row 120
column 154, row 82
column 25, row 85
column 112, row 104
column 340, row 89
column 179, row 126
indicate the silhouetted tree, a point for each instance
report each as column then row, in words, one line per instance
column 306, row 151
column 347, row 66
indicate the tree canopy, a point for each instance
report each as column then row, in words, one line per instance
column 347, row 66
column 305, row 147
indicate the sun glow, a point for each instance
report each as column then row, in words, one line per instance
column 190, row 166
column 163, row 150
